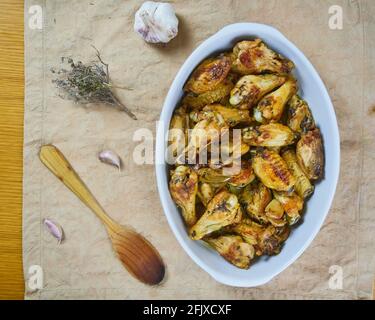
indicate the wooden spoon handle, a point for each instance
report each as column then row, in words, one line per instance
column 55, row 161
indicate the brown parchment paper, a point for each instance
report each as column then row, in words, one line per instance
column 84, row 266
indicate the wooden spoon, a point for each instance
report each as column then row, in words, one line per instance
column 138, row 255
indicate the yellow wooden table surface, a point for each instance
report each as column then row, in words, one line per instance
column 11, row 141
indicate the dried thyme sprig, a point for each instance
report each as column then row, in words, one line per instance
column 88, row 83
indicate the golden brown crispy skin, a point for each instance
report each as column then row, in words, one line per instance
column 274, row 210
column 292, row 204
column 299, row 117
column 268, row 135
column 251, row 88
column 205, row 192
column 183, row 187
column 231, row 116
column 232, row 151
column 310, row 154
column 199, row 101
column 271, row 107
column 178, row 131
column 212, row 176
column 272, row 170
column 254, row 57
column 303, row 187
column 205, row 132
column 245, row 176
column 272, row 238
column 223, row 210
column 233, row 249
column 265, row 239
column 248, row 230
column 209, row 75
column 254, row 198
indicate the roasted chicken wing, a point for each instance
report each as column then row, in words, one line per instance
column 203, row 134
column 243, row 178
column 299, row 117
column 205, row 192
column 223, row 210
column 250, row 89
column 268, row 135
column 234, row 149
column 233, row 249
column 228, row 153
column 254, row 57
column 272, row 170
column 292, row 204
column 198, row 101
column 209, row 75
column 310, row 154
column 213, row 176
column 231, row 116
column 178, row 131
column 275, row 213
column 254, row 198
column 183, row 187
column 271, row 107
column 303, row 186
column 265, row 239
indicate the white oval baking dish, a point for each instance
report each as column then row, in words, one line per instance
column 313, row 90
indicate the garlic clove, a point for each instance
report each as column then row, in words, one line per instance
column 111, row 158
column 156, row 22
column 55, row 229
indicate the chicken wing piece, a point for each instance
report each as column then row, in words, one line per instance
column 203, row 134
column 228, row 153
column 183, row 187
column 268, row 135
column 310, row 154
column 254, row 57
column 254, row 198
column 205, row 192
column 272, row 170
column 233, row 249
column 271, row 107
column 299, row 117
column 272, row 238
column 250, row 89
column 275, row 213
column 245, row 176
column 178, row 131
column 209, row 74
column 248, row 230
column 198, row 101
column 223, row 210
column 231, row 116
column 212, row 176
column 195, row 116
column 265, row 239
column 292, row 204
column 303, row 187
column 234, row 149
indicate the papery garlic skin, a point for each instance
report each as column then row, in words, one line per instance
column 156, row 22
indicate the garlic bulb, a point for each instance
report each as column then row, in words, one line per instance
column 156, row 22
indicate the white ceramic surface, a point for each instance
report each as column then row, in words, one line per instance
column 313, row 90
